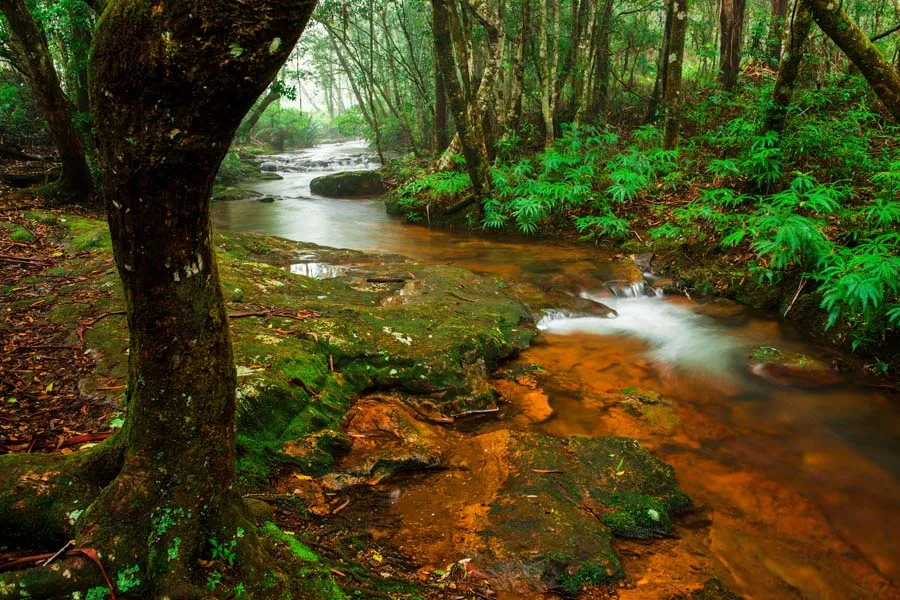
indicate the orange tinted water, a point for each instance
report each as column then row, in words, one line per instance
column 797, row 489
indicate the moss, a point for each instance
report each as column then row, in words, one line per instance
column 86, row 234
column 636, row 516
column 271, row 530
column 573, row 576
column 20, row 234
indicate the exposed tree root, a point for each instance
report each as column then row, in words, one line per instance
column 58, row 580
column 149, row 530
column 42, row 496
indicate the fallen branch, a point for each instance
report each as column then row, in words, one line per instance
column 34, row 262
column 84, row 439
column 79, row 331
column 460, row 206
column 241, row 315
column 796, row 295
column 385, row 280
column 460, row 296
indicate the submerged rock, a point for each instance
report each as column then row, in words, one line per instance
column 791, row 368
column 348, row 184
column 712, row 590
column 531, row 512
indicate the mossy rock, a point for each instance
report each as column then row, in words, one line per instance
column 348, row 184
column 712, row 590
column 784, row 367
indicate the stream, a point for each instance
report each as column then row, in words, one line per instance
column 797, row 488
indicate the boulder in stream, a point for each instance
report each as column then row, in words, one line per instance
column 784, row 367
column 348, row 184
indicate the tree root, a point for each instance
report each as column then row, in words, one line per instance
column 60, row 579
column 42, row 496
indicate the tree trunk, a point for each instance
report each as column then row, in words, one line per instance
column 273, row 95
column 777, row 31
column 31, row 48
column 441, row 115
column 549, row 64
column 468, row 127
column 731, row 26
column 513, row 117
column 603, row 61
column 674, row 61
column 877, row 70
column 795, row 37
column 658, row 95
column 171, row 83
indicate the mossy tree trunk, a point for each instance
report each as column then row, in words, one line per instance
column 674, row 62
column 795, row 37
column 878, row 70
column 469, row 127
column 171, row 83
column 33, row 54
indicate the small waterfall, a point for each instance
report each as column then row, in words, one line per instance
column 675, row 334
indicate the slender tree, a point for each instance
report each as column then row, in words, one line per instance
column 673, row 72
column 795, row 37
column 777, row 26
column 30, row 47
column 731, row 39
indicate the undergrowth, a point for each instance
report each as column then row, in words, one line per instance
column 818, row 203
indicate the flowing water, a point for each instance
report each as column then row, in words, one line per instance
column 797, row 487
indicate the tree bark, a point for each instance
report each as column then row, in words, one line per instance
column 877, row 70
column 674, row 62
column 31, row 49
column 795, row 37
column 731, row 26
column 171, row 83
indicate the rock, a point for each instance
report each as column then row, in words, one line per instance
column 348, row 184
column 712, row 590
column 258, row 509
column 783, row 367
column 621, row 277
column 266, row 199
column 268, row 176
column 388, row 438
column 535, row 512
column 233, row 192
